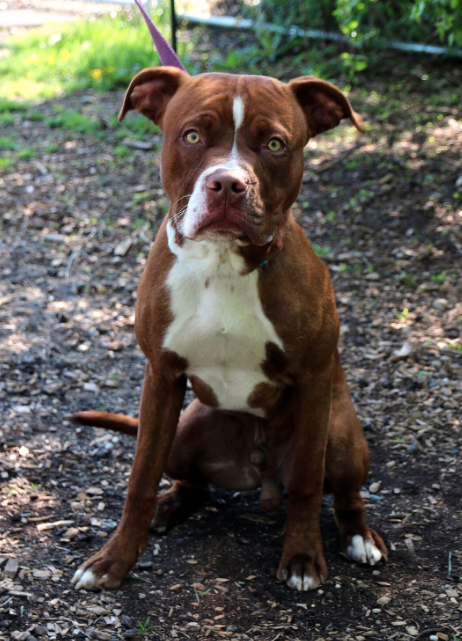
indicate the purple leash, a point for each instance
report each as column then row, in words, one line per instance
column 166, row 53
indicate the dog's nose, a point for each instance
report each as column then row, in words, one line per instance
column 225, row 184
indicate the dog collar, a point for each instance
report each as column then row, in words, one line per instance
column 167, row 55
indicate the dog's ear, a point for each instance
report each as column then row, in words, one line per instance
column 150, row 91
column 323, row 104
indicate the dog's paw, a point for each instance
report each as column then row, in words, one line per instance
column 106, row 569
column 96, row 576
column 88, row 579
column 368, row 549
column 176, row 505
column 303, row 572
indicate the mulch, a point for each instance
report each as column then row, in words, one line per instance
column 384, row 210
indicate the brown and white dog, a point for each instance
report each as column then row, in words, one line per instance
column 234, row 299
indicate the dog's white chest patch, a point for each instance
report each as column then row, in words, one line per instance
column 218, row 321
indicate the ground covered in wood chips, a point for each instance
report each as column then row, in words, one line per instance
column 80, row 204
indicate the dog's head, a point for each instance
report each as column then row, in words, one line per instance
column 232, row 158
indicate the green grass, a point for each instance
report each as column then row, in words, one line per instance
column 321, row 251
column 439, row 278
column 6, row 118
column 10, row 105
column 50, row 149
column 99, row 53
column 5, row 162
column 35, row 116
column 8, row 143
column 72, row 120
column 26, row 154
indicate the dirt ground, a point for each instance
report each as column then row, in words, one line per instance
column 384, row 210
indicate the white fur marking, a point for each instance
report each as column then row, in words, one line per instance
column 363, row 550
column 238, row 112
column 304, row 584
column 238, row 117
column 295, row 582
column 229, row 362
column 78, row 573
column 85, row 580
column 308, row 583
column 197, row 205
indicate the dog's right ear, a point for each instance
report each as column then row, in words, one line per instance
column 150, row 91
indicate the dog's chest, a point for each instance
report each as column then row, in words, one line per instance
column 219, row 324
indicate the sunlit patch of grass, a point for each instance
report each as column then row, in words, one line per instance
column 100, row 53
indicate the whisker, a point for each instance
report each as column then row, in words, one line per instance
column 187, row 196
column 179, row 214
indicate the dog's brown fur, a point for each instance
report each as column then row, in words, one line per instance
column 310, row 437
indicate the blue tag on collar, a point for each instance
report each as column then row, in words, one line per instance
column 265, row 262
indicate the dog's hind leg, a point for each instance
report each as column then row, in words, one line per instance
column 210, row 447
column 347, row 465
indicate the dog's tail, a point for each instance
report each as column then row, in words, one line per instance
column 115, row 422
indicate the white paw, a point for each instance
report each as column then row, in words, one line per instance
column 363, row 550
column 86, row 580
column 302, row 584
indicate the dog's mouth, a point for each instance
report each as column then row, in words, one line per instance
column 224, row 229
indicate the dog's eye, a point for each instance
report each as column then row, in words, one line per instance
column 275, row 144
column 192, row 137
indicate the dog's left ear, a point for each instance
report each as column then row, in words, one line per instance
column 323, row 104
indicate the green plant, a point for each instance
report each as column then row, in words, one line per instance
column 26, row 154
column 35, row 116
column 72, row 120
column 439, row 278
column 370, row 21
column 6, row 118
column 8, row 143
column 122, row 152
column 403, row 316
column 144, row 628
column 200, row 593
column 11, row 105
column 5, row 162
column 321, row 251
column 445, row 15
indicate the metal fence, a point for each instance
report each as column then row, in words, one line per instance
column 226, row 14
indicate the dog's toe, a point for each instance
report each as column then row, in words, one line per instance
column 303, row 573
column 89, row 579
column 86, row 579
column 363, row 550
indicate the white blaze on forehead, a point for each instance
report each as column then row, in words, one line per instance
column 197, row 204
column 238, row 112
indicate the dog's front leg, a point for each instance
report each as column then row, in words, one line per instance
column 160, row 408
column 302, row 564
